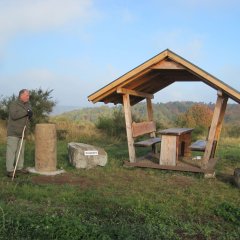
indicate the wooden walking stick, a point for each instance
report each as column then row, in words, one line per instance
column 19, row 151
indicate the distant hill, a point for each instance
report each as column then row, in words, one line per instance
column 90, row 114
column 57, row 110
column 163, row 112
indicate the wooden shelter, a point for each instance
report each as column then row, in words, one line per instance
column 154, row 75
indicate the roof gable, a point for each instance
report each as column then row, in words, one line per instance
column 156, row 74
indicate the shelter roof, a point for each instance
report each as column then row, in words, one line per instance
column 157, row 73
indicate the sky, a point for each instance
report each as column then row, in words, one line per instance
column 76, row 47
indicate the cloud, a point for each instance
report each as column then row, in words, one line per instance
column 41, row 15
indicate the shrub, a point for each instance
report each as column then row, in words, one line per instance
column 113, row 126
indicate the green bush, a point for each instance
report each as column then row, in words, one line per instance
column 113, row 126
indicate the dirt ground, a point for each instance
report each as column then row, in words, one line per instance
column 66, row 178
column 83, row 181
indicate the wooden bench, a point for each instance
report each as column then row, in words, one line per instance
column 199, row 145
column 142, row 128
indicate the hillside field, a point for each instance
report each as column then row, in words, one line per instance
column 115, row 202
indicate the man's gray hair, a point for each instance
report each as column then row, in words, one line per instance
column 22, row 91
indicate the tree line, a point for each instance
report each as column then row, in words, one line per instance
column 111, row 119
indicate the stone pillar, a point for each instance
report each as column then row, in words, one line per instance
column 45, row 147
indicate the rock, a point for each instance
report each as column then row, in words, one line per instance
column 237, row 177
column 86, row 156
column 209, row 175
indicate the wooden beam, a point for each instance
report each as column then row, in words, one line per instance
column 235, row 95
column 128, row 121
column 110, row 88
column 215, row 129
column 141, row 80
column 149, row 109
column 221, row 117
column 134, row 93
column 180, row 167
column 167, row 64
column 145, row 68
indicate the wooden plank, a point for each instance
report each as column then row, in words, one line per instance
column 142, row 81
column 148, row 142
column 168, row 64
column 107, row 90
column 134, row 93
column 142, row 128
column 168, row 154
column 175, row 131
column 181, row 167
column 128, row 120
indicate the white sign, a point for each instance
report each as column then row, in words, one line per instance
column 91, row 153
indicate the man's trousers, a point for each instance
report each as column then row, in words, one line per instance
column 13, row 145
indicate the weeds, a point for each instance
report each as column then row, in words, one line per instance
column 114, row 202
column 228, row 212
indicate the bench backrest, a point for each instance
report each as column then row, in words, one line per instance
column 142, row 128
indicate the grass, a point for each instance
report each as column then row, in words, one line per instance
column 114, row 202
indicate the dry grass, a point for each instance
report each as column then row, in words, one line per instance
column 3, row 131
column 72, row 131
column 230, row 141
column 66, row 130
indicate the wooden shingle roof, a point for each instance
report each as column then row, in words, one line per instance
column 156, row 74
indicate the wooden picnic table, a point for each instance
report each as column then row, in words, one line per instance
column 175, row 143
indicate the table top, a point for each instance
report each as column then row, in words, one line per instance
column 175, row 131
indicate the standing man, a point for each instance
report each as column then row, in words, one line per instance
column 19, row 115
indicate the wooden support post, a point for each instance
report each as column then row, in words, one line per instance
column 150, row 113
column 128, row 121
column 221, row 118
column 215, row 129
column 150, row 118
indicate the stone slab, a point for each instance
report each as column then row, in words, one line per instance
column 86, row 156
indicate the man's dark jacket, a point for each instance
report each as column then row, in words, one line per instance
column 18, row 117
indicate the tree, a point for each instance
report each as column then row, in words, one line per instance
column 113, row 125
column 199, row 116
column 4, row 106
column 42, row 105
column 41, row 102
